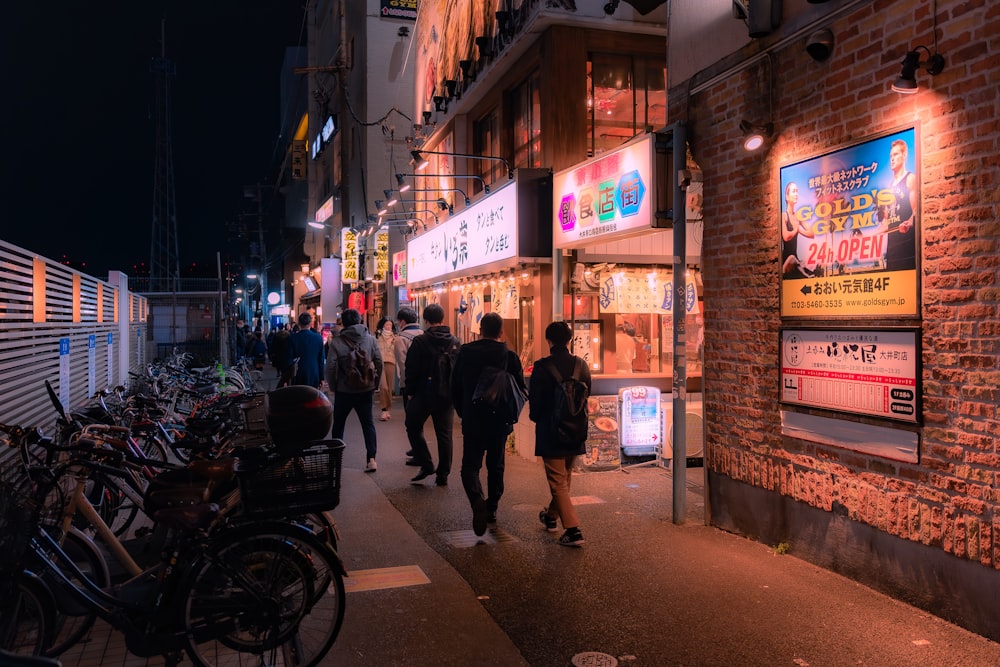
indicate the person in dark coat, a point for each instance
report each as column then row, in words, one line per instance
column 558, row 457
column 307, row 346
column 420, row 372
column 483, row 435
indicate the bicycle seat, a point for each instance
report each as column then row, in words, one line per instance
column 192, row 517
column 199, row 371
column 214, row 470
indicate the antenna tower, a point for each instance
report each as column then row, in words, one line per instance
column 164, row 262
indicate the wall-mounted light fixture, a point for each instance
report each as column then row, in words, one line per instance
column 401, row 179
column 316, row 225
column 485, row 46
column 449, row 87
column 907, row 81
column 486, row 188
column 468, row 73
column 419, row 162
column 390, row 200
column 754, row 136
column 440, row 104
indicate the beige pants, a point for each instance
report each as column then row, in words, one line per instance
column 558, row 472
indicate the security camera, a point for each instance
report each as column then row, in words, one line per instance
column 820, row 45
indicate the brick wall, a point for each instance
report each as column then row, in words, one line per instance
column 950, row 499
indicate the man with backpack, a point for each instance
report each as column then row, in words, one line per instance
column 484, row 431
column 353, row 371
column 560, row 386
column 427, row 386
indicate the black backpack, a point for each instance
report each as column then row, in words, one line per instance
column 444, row 364
column 358, row 367
column 569, row 422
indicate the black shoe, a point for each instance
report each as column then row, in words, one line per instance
column 572, row 538
column 548, row 521
column 492, row 517
column 441, row 481
column 409, row 452
column 422, row 475
column 412, row 462
column 479, row 516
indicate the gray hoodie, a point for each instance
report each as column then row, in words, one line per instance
column 339, row 353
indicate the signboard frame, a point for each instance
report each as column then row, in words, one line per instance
column 851, row 266
column 835, row 356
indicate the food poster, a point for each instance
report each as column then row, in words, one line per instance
column 640, row 425
column 603, row 450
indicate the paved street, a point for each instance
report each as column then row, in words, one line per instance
column 644, row 591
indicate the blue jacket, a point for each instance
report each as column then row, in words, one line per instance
column 307, row 345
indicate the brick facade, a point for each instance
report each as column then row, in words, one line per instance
column 949, row 501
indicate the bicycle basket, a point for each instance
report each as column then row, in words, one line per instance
column 309, row 481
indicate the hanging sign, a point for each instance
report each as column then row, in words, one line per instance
column 381, row 256
column 505, row 298
column 639, row 290
column 64, row 371
column 349, row 264
column 607, row 196
column 91, row 364
column 485, row 232
column 111, row 349
column 864, row 371
column 399, row 268
column 850, row 231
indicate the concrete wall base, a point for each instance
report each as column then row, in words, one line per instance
column 960, row 591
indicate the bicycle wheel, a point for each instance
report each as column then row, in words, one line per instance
column 72, row 619
column 26, row 617
column 264, row 594
column 115, row 507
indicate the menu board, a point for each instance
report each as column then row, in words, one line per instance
column 603, row 450
column 640, row 425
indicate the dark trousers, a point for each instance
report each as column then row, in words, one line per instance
column 361, row 402
column 474, row 446
column 441, row 412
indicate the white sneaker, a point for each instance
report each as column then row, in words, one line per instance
column 385, row 416
column 371, row 466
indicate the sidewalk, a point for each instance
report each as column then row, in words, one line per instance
column 423, row 590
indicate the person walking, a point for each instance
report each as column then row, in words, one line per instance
column 482, row 434
column 354, row 345
column 306, row 345
column 386, row 337
column 428, row 385
column 279, row 353
column 558, row 454
column 406, row 319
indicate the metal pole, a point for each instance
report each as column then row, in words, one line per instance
column 680, row 311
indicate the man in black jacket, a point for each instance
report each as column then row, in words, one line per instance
column 429, row 394
column 483, row 434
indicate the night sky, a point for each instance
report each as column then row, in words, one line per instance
column 78, row 144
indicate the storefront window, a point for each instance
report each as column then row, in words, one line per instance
column 625, row 95
column 486, row 141
column 526, row 103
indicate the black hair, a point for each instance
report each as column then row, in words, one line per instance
column 558, row 333
column 350, row 317
column 491, row 325
column 407, row 315
column 434, row 314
